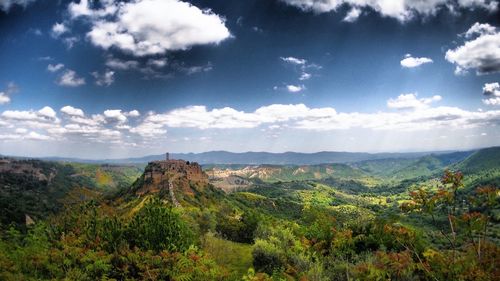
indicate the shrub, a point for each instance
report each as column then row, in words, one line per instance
column 157, row 227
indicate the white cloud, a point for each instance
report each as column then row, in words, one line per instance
column 48, row 112
column 303, row 68
column 133, row 113
column 6, row 5
column 294, row 60
column 36, row 136
column 352, row 15
column 55, row 67
column 492, row 93
column 72, row 111
column 118, row 64
column 159, row 63
column 148, row 27
column 401, row 10
column 299, row 116
column 305, row 76
column 59, row 29
column 115, row 115
column 104, row 79
column 480, row 29
column 4, row 98
column 70, row 41
column 410, row 101
column 492, row 101
column 490, row 5
column 69, row 78
column 83, row 9
column 481, row 53
column 149, row 129
column 19, row 115
column 295, row 88
column 113, row 127
column 411, row 62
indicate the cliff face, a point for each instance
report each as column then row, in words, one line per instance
column 182, row 175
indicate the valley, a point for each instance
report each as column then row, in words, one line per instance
column 375, row 219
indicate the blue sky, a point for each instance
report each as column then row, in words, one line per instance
column 127, row 78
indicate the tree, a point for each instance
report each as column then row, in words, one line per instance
column 157, row 227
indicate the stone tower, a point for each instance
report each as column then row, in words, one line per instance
column 167, row 156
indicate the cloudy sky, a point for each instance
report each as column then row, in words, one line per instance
column 109, row 78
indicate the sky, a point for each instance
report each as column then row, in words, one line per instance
column 112, row 79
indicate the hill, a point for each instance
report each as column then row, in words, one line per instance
column 181, row 182
column 257, row 158
column 407, row 168
column 275, row 173
column 481, row 160
column 37, row 188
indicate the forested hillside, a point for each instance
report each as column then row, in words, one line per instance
column 37, row 188
column 392, row 219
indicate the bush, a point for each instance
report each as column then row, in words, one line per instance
column 267, row 257
column 157, row 227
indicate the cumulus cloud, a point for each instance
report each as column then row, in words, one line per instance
column 83, row 8
column 149, row 27
column 48, row 112
column 133, row 113
column 5, row 94
column 295, row 88
column 69, row 78
column 113, row 126
column 55, row 67
column 59, row 29
column 72, row 111
column 299, row 116
column 115, row 115
column 399, row 9
column 479, row 29
column 481, row 52
column 6, row 5
column 491, row 92
column 410, row 62
column 410, row 101
column 104, row 79
column 149, row 129
column 4, row 98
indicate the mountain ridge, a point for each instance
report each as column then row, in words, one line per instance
column 260, row 158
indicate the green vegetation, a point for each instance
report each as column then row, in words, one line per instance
column 399, row 219
column 38, row 188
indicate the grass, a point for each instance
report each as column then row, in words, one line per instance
column 234, row 256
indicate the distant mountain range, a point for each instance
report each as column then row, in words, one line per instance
column 259, row 158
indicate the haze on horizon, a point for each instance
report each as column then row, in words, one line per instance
column 113, row 79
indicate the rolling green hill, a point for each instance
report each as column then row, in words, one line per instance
column 484, row 159
column 39, row 188
column 401, row 168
